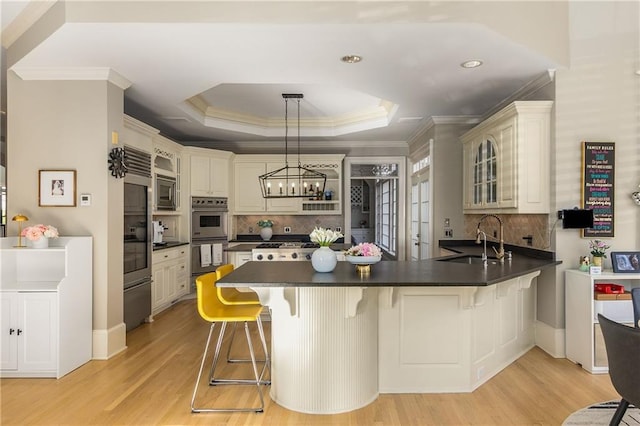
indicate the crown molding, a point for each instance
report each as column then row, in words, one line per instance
column 356, row 121
column 72, row 74
column 440, row 120
column 33, row 11
column 135, row 124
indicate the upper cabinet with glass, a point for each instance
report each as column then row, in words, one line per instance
column 506, row 162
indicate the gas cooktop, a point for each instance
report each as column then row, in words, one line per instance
column 279, row 251
column 286, row 245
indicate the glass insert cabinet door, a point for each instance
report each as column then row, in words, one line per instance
column 485, row 174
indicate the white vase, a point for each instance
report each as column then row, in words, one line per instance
column 324, row 259
column 266, row 233
column 40, row 243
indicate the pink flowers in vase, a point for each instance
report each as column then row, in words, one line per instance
column 364, row 249
column 598, row 248
column 34, row 233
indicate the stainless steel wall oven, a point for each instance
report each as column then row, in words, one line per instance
column 209, row 238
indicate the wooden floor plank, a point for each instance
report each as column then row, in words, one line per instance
column 151, row 384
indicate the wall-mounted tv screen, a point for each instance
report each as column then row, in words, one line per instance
column 577, row 219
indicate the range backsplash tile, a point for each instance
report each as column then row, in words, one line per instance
column 516, row 227
column 298, row 224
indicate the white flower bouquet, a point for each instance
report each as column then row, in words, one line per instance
column 324, row 237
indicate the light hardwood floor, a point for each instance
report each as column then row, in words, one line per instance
column 151, row 384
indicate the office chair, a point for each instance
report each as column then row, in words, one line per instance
column 212, row 310
column 635, row 300
column 623, row 346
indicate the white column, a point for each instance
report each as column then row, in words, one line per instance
column 324, row 359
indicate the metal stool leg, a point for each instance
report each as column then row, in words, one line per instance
column 231, row 340
column 267, row 361
column 227, row 381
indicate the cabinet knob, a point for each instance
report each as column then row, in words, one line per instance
column 19, row 332
column 11, row 331
column 166, row 255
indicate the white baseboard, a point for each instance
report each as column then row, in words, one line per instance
column 107, row 343
column 550, row 340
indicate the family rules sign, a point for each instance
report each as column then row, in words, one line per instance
column 598, row 173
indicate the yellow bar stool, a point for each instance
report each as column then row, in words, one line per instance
column 231, row 296
column 212, row 310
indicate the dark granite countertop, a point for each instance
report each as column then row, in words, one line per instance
column 470, row 247
column 430, row 272
column 169, row 244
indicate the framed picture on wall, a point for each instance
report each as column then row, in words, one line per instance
column 57, row 188
column 626, row 262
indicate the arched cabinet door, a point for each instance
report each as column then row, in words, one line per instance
column 506, row 161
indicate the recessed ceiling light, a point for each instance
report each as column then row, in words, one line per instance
column 474, row 63
column 351, row 59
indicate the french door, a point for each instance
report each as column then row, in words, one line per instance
column 420, row 212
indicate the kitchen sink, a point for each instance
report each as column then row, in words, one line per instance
column 470, row 260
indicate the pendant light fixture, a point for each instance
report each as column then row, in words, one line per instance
column 290, row 181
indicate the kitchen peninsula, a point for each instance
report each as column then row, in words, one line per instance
column 339, row 339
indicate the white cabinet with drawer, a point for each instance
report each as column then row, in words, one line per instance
column 170, row 277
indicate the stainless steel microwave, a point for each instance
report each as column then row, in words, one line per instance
column 165, row 194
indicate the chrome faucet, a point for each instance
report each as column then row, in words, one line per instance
column 500, row 251
column 484, row 253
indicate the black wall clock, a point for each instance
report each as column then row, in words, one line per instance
column 117, row 162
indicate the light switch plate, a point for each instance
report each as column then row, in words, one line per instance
column 85, row 200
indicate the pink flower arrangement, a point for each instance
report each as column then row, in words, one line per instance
column 364, row 249
column 598, row 248
column 34, row 233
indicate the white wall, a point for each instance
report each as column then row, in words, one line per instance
column 68, row 125
column 597, row 99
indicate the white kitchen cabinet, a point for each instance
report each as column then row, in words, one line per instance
column 332, row 167
column 46, row 300
column 506, row 161
column 29, row 336
column 239, row 258
column 453, row 339
column 584, row 342
column 248, row 194
column 210, row 176
column 170, row 277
